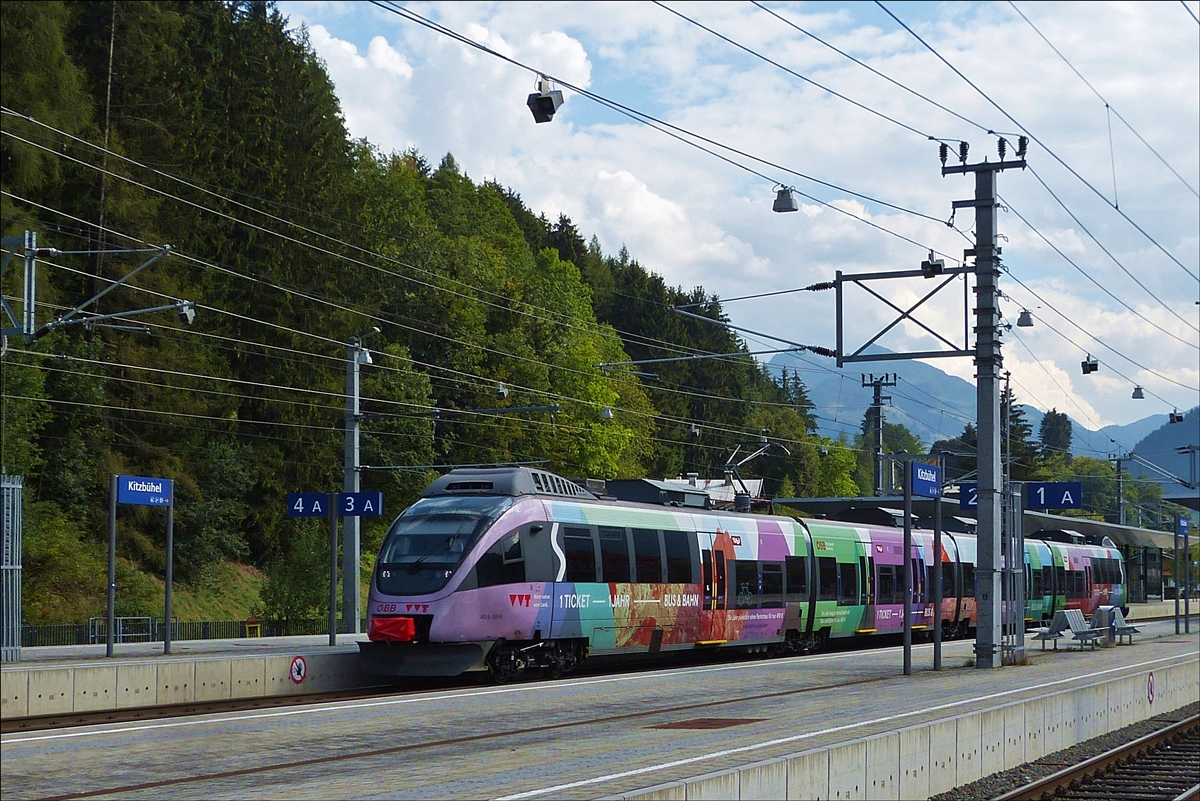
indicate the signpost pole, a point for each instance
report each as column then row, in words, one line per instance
column 110, row 616
column 937, row 575
column 1175, row 570
column 333, row 567
column 170, row 569
column 907, row 578
column 1187, row 582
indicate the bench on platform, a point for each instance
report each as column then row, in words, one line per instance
column 1053, row 632
column 1081, row 631
column 1123, row 628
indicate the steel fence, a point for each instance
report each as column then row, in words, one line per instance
column 143, row 630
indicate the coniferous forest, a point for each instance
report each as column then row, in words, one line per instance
column 214, row 128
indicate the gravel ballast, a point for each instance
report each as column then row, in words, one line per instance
column 999, row 783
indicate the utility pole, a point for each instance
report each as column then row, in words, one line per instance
column 1120, row 492
column 988, row 363
column 877, row 384
column 356, row 357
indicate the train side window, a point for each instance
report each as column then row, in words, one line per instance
column 679, row 557
column 885, row 590
column 745, row 583
column 968, row 580
column 647, row 556
column 797, row 579
column 948, row 589
column 828, row 574
column 1060, row 580
column 848, row 584
column 1047, row 580
column 1034, row 577
column 772, row 585
column 614, row 555
column 580, row 550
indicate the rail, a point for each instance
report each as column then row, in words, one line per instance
column 1076, row 775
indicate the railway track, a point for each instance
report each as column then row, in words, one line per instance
column 1161, row 765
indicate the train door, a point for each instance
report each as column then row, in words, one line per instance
column 716, row 551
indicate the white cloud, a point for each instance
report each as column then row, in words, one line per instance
column 697, row 220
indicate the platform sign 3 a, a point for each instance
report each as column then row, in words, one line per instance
column 308, row 504
column 1054, row 495
column 360, row 504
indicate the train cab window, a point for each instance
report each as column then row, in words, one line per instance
column 679, row 557
column 503, row 563
column 886, row 590
column 797, row 579
column 580, row 550
column 771, row 583
column 614, row 555
column 848, row 594
column 646, row 556
column 827, row 571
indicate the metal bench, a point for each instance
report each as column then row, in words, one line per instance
column 1054, row 632
column 1123, row 628
column 1081, row 631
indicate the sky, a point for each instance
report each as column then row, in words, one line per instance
column 1094, row 283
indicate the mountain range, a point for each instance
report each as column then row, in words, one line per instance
column 936, row 405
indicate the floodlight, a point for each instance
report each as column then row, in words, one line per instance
column 932, row 267
column 785, row 200
column 186, row 309
column 1089, row 365
column 545, row 101
column 606, row 413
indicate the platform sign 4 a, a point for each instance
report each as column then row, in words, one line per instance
column 1054, row 495
column 308, row 504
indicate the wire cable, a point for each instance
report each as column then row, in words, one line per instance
column 1043, row 145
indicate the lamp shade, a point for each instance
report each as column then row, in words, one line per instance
column 1025, row 320
column 785, row 200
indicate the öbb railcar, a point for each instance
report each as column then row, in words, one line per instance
column 509, row 569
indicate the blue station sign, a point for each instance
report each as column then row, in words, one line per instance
column 926, row 479
column 346, row 504
column 360, row 504
column 308, row 504
column 1054, row 495
column 1182, row 524
column 143, row 491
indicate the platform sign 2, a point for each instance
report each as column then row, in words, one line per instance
column 308, row 504
column 968, row 495
column 360, row 504
column 143, row 491
column 1054, row 495
column 926, row 479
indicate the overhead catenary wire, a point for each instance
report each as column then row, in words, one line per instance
column 1042, row 144
column 1107, row 106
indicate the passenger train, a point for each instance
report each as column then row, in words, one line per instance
column 511, row 569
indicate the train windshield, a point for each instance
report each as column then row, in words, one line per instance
column 427, row 543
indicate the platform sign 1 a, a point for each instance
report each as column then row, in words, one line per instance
column 1054, row 495
column 926, row 479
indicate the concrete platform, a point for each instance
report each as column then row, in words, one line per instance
column 80, row 678
column 836, row 725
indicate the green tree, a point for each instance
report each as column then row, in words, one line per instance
column 1054, row 433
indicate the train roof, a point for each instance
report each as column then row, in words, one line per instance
column 512, row 481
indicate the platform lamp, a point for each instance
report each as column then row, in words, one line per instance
column 545, row 101
column 1089, row 365
column 1138, row 394
column 1025, row 320
column 785, row 200
column 1175, row 417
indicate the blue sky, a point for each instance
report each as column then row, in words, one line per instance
column 699, row 221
